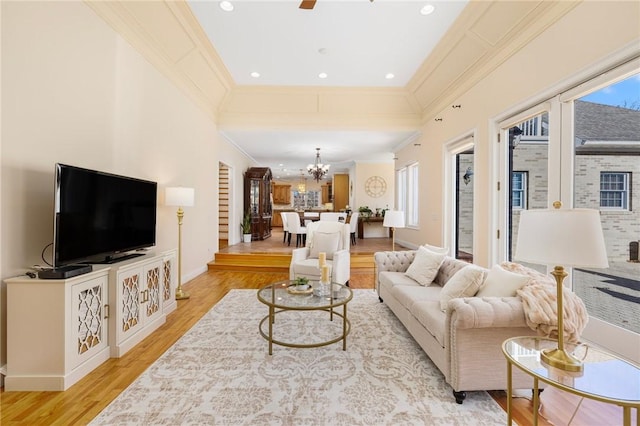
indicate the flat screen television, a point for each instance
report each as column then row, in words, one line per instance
column 101, row 217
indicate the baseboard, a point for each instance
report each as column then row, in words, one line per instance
column 188, row 277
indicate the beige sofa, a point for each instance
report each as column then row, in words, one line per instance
column 464, row 341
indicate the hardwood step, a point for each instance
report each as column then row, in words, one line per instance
column 275, row 262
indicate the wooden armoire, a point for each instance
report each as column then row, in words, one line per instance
column 257, row 200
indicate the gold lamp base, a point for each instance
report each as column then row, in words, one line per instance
column 181, row 294
column 561, row 360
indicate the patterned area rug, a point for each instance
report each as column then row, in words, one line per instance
column 220, row 373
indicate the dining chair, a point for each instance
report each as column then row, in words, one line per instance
column 353, row 225
column 285, row 227
column 295, row 227
column 330, row 217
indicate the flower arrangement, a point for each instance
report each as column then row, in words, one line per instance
column 365, row 211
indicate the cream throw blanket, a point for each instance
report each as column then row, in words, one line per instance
column 539, row 301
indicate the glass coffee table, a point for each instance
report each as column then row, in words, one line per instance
column 281, row 297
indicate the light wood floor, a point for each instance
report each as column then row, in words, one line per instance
column 83, row 401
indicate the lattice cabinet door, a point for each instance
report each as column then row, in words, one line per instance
column 130, row 318
column 152, row 293
column 89, row 320
column 169, row 281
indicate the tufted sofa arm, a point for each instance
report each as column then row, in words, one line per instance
column 475, row 328
column 485, row 312
column 394, row 261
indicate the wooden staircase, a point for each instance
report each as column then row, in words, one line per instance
column 276, row 262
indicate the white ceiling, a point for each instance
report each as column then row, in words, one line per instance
column 356, row 42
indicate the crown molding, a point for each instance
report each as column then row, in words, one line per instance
column 481, row 51
column 167, row 34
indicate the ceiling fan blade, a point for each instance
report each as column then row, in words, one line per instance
column 307, row 4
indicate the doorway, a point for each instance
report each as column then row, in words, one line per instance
column 223, row 205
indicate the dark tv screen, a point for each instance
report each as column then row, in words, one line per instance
column 99, row 215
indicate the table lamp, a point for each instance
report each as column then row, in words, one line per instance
column 393, row 219
column 181, row 197
column 568, row 237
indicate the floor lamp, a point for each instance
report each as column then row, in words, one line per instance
column 181, row 197
column 393, row 219
column 569, row 237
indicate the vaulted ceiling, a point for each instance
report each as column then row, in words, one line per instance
column 355, row 113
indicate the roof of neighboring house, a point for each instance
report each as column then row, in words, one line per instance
column 603, row 128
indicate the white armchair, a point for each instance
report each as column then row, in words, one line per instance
column 331, row 238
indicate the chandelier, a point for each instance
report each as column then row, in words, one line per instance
column 318, row 170
column 302, row 185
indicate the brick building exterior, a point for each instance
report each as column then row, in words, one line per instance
column 606, row 164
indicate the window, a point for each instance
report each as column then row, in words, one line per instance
column 306, row 200
column 519, row 190
column 401, row 179
column 614, row 190
column 407, row 179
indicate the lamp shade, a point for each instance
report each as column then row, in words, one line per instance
column 179, row 196
column 393, row 219
column 561, row 237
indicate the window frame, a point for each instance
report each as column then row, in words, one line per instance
column 626, row 191
column 524, row 191
column 407, row 179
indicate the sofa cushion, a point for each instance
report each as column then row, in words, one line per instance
column 391, row 278
column 407, row 295
column 425, row 265
column 501, row 283
column 464, row 283
column 428, row 314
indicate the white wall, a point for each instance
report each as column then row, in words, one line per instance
column 578, row 41
column 73, row 91
column 364, row 171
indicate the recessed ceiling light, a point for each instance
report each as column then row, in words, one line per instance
column 322, row 75
column 226, row 6
column 255, row 74
column 389, row 76
column 427, row 9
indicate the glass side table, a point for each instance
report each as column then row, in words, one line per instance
column 605, row 378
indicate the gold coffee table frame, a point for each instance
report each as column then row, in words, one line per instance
column 278, row 299
column 600, row 366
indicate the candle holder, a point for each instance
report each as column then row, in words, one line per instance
column 324, row 284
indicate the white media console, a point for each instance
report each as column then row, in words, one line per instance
column 60, row 330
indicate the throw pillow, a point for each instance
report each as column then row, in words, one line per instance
column 435, row 249
column 324, row 242
column 464, row 283
column 501, row 283
column 425, row 265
